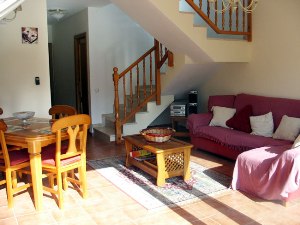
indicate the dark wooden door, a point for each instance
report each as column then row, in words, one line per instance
column 81, row 74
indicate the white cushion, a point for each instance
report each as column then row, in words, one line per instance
column 296, row 142
column 221, row 115
column 262, row 125
column 288, row 128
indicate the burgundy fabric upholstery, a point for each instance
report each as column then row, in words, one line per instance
column 221, row 100
column 237, row 139
column 214, row 147
column 241, row 120
column 194, row 121
column 17, row 157
column 262, row 105
column 48, row 155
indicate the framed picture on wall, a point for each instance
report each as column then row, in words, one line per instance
column 29, row 35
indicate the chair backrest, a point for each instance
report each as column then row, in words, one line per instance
column 4, row 156
column 59, row 111
column 76, row 127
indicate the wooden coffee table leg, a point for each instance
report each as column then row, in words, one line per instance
column 187, row 171
column 160, row 170
column 128, row 148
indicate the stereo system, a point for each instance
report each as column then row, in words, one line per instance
column 185, row 107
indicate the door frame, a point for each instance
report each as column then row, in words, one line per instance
column 78, row 76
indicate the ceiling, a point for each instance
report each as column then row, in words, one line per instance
column 72, row 6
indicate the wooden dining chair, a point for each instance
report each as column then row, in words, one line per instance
column 59, row 111
column 60, row 158
column 11, row 163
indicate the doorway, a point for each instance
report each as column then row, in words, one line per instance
column 81, row 74
column 52, row 80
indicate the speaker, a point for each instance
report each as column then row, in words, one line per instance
column 193, row 96
column 192, row 108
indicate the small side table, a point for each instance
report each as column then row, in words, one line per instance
column 183, row 132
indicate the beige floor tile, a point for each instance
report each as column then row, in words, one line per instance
column 3, row 200
column 165, row 218
column 106, row 204
column 23, row 208
column 70, row 213
column 9, row 221
column 231, row 217
column 6, row 212
column 111, row 216
column 206, row 221
column 36, row 218
column 78, row 221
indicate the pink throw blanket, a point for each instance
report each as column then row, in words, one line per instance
column 271, row 172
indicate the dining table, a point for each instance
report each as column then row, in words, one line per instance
column 33, row 135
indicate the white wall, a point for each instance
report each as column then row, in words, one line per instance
column 275, row 66
column 21, row 63
column 63, row 56
column 114, row 40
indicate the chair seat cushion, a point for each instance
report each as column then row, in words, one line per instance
column 48, row 155
column 17, row 157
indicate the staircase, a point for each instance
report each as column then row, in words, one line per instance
column 141, row 120
column 195, row 55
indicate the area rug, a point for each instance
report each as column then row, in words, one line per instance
column 142, row 187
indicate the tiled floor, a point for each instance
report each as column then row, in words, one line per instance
column 108, row 205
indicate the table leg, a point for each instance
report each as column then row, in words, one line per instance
column 128, row 148
column 161, row 170
column 186, row 172
column 34, row 149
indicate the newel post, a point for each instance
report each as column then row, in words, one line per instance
column 157, row 73
column 116, row 104
column 170, row 59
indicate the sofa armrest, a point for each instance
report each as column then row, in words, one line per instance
column 194, row 121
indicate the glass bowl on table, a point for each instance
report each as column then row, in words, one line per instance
column 24, row 116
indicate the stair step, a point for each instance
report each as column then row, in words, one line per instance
column 104, row 132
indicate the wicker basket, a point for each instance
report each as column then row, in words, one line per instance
column 157, row 134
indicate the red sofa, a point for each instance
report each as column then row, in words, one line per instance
column 230, row 143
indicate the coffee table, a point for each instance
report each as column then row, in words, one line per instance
column 172, row 157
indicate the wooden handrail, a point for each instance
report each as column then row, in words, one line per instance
column 137, row 61
column 214, row 24
column 144, row 77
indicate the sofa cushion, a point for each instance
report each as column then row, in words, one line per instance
column 296, row 142
column 262, row 105
column 220, row 100
column 288, row 128
column 221, row 115
column 237, row 140
column 262, row 125
column 241, row 120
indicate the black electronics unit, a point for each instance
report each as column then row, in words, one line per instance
column 193, row 96
column 185, row 107
column 192, row 106
column 178, row 108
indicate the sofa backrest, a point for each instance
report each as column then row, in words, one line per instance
column 262, row 105
column 220, row 100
